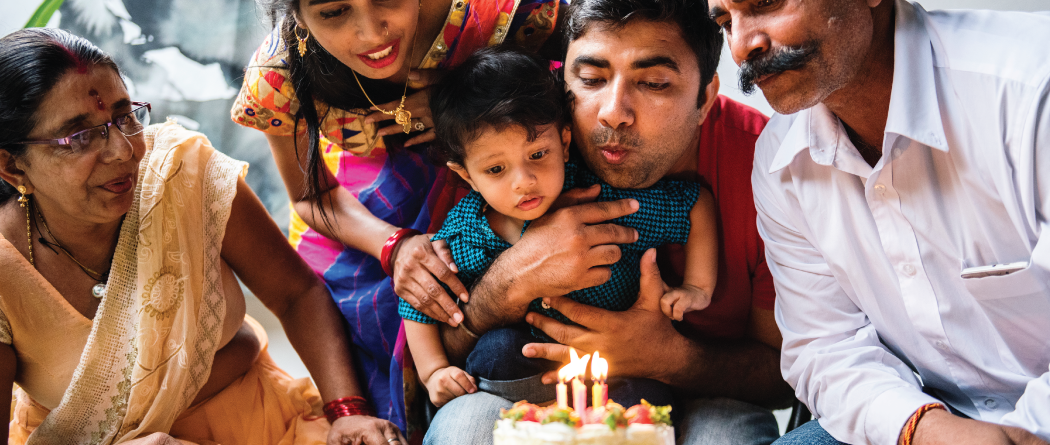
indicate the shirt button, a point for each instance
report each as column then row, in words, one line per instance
column 990, row 403
column 880, row 188
column 908, row 270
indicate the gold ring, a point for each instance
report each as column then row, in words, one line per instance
column 393, row 440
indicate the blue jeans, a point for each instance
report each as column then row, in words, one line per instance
column 497, row 360
column 469, row 420
column 810, row 433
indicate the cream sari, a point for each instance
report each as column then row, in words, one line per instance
column 156, row 331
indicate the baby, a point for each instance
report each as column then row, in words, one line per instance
column 503, row 125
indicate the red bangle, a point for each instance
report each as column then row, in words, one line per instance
column 908, row 433
column 347, row 406
column 390, row 245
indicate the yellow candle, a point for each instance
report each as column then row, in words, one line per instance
column 599, row 371
column 563, row 396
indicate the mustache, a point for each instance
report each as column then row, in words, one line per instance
column 774, row 61
column 606, row 135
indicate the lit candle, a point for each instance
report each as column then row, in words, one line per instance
column 563, row 376
column 599, row 390
column 579, row 389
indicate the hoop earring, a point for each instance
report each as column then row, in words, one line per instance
column 302, row 40
column 22, row 201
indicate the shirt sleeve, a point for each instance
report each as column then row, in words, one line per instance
column 859, row 390
column 1030, row 411
column 267, row 101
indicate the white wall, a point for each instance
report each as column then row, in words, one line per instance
column 728, row 71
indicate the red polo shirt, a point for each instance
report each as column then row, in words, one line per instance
column 726, row 152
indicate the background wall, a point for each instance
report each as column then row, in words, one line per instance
column 187, row 57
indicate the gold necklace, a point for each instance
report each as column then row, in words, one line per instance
column 97, row 290
column 402, row 116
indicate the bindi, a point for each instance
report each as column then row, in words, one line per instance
column 98, row 100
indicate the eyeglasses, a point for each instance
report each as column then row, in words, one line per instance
column 95, row 137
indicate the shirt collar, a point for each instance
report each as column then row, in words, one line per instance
column 914, row 110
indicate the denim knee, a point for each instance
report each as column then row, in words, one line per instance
column 497, row 356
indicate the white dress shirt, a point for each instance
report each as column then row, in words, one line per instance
column 867, row 261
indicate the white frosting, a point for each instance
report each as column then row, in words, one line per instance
column 509, row 432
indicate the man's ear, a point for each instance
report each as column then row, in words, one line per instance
column 462, row 172
column 710, row 95
column 11, row 171
column 566, row 141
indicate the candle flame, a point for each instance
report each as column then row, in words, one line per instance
column 599, row 368
column 576, row 367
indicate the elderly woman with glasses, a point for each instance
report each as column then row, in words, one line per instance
column 121, row 318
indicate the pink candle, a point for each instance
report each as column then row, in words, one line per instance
column 579, row 396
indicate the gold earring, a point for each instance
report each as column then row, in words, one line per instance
column 302, row 40
column 22, row 201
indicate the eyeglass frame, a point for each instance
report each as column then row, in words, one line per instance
column 68, row 140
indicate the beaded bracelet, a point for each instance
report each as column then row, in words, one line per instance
column 390, row 245
column 347, row 406
column 908, row 433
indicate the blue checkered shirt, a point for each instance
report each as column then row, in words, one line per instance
column 662, row 218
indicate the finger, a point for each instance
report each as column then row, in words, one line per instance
column 595, row 276
column 588, row 316
column 667, row 305
column 560, row 332
column 679, row 311
column 389, row 130
column 603, row 255
column 376, row 116
column 435, row 300
column 439, row 269
column 548, row 351
column 576, row 196
column 423, row 302
column 427, row 136
column 609, row 234
column 651, row 286
column 423, row 78
column 599, row 212
column 445, row 253
column 465, row 381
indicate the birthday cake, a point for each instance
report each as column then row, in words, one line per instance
column 528, row 424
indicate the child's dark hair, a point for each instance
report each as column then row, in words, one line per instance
column 496, row 88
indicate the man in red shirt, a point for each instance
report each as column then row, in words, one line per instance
column 645, row 107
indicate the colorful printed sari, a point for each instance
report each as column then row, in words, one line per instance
column 398, row 186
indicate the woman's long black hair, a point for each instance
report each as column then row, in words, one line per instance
column 31, row 62
column 319, row 75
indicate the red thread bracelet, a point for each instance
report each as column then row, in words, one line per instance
column 390, row 245
column 347, row 406
column 908, row 433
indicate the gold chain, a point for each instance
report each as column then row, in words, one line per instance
column 402, row 116
column 100, row 277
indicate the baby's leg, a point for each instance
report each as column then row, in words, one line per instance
column 497, row 356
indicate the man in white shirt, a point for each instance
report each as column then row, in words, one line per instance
column 902, row 195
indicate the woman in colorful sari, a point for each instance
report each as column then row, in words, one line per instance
column 324, row 87
column 121, row 318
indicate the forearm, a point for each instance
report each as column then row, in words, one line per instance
column 745, row 370
column 424, row 341
column 316, row 331
column 348, row 221
column 489, row 308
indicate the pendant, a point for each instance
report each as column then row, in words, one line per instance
column 404, row 118
column 98, row 290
